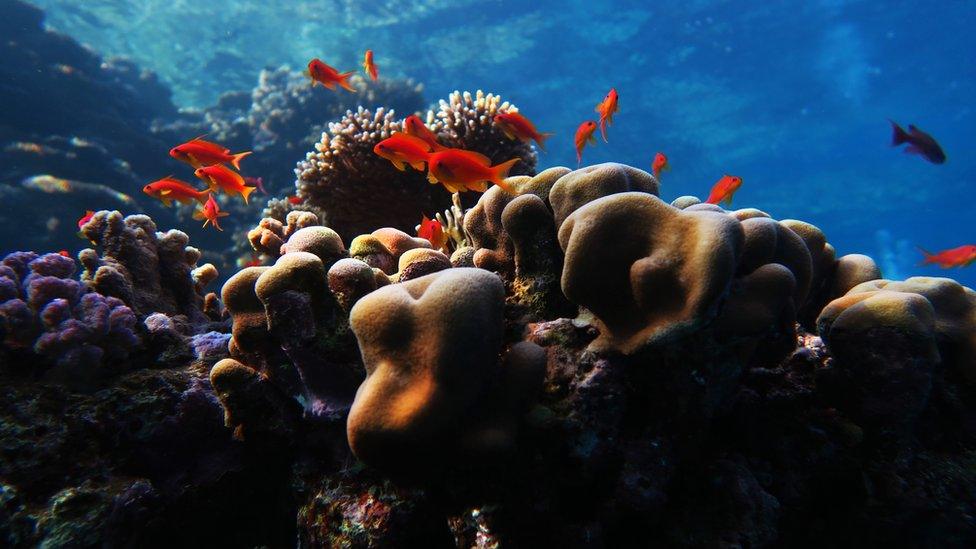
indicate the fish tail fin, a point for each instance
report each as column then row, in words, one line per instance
column 579, row 157
column 344, row 81
column 500, row 172
column 236, row 159
column 898, row 135
column 928, row 256
column 603, row 129
column 541, row 141
column 203, row 195
column 247, row 191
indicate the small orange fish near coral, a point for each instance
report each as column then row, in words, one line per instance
column 210, row 213
column 369, row 66
column 199, row 153
column 295, row 200
column 459, row 170
column 519, row 127
column 64, row 253
column 606, row 110
column 584, row 135
column 659, row 165
column 432, row 230
column 221, row 177
column 963, row 256
column 413, row 125
column 323, row 74
column 402, row 149
column 86, row 218
column 723, row 190
column 169, row 189
column 255, row 261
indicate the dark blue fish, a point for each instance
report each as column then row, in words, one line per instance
column 919, row 143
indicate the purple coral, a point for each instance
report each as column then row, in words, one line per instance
column 78, row 332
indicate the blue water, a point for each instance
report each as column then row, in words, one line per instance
column 792, row 96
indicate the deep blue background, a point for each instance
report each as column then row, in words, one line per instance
column 792, row 96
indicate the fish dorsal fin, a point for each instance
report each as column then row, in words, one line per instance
column 478, row 157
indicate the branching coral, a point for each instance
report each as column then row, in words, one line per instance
column 82, row 334
column 358, row 191
column 465, row 121
column 148, row 270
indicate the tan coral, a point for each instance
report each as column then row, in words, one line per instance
column 918, row 306
column 431, row 348
column 579, row 187
column 644, row 268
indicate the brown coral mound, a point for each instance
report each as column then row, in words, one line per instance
column 645, row 268
column 925, row 309
column 430, row 347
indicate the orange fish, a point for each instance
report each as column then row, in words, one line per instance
column 369, row 66
column 963, row 256
column 659, row 165
column 519, row 127
column 606, row 109
column 210, row 213
column 401, row 149
column 221, row 177
column 584, row 135
column 295, row 200
column 199, row 153
column 64, row 253
column 723, row 190
column 86, row 218
column 432, row 230
column 255, row 261
column 459, row 170
column 169, row 189
column 323, row 74
column 413, row 125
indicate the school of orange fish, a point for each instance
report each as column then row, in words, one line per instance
column 459, row 170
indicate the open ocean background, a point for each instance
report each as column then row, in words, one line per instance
column 794, row 97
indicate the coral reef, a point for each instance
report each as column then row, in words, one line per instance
column 591, row 366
